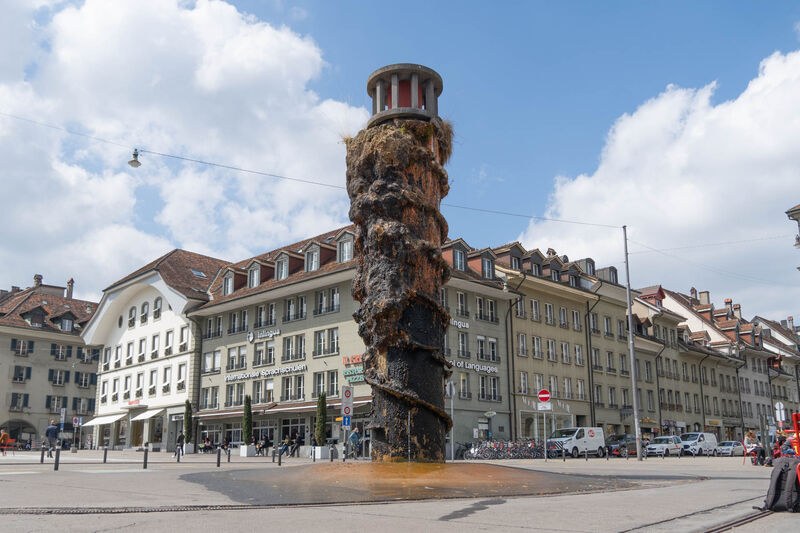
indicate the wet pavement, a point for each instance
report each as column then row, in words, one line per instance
column 336, row 483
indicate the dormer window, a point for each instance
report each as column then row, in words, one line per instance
column 487, row 264
column 345, row 250
column 555, row 275
column 66, row 324
column 131, row 317
column 144, row 313
column 282, row 268
column 590, row 267
column 573, row 280
column 36, row 318
column 515, row 263
column 459, row 260
column 227, row 284
column 536, row 269
column 312, row 260
column 254, row 276
column 157, row 308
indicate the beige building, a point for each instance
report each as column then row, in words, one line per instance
column 47, row 371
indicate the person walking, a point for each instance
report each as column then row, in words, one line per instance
column 355, row 440
column 51, row 434
column 179, row 444
column 4, row 438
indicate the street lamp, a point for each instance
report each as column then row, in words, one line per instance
column 135, row 161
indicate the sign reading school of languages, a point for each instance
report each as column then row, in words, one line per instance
column 267, row 372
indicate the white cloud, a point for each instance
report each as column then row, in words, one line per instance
column 200, row 80
column 681, row 171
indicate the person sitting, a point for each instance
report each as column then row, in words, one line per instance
column 754, row 448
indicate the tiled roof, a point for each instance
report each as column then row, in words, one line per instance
column 54, row 306
column 178, row 268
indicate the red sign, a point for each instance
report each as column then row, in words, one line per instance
column 544, row 395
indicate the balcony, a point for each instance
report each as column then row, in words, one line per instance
column 183, row 347
column 117, row 364
column 487, row 318
column 611, row 370
column 327, row 309
column 241, row 328
column 181, row 385
column 103, row 399
column 577, row 327
column 129, row 361
column 126, row 395
column 165, row 389
column 296, row 356
column 154, row 355
column 329, row 351
column 465, row 395
column 267, row 322
column 491, row 397
column 167, row 351
column 550, row 321
column 521, row 314
column 139, row 393
column 294, row 316
column 595, row 331
column 563, row 325
column 141, row 358
column 214, row 370
column 18, row 379
column 16, row 407
column 115, row 397
column 597, row 368
column 152, row 391
column 212, row 334
column 462, row 312
column 624, row 372
column 464, row 354
column 488, row 357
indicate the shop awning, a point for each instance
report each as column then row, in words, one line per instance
column 108, row 419
column 147, row 414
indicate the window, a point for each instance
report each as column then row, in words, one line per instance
column 319, row 384
column 181, row 376
column 487, row 348
column 326, row 301
column 264, row 353
column 522, row 344
column 551, row 350
column 58, row 377
column 333, row 383
column 131, row 317
column 596, row 359
column 610, row 362
column 211, row 361
column 168, row 337
column 598, row 394
column 612, row 397
column 326, row 342
column 463, row 386
column 461, row 308
column 145, row 310
column 554, row 386
column 21, row 373
column 607, row 326
column 621, row 329
column 60, row 351
column 519, row 307
column 579, row 355
column 184, row 339
column 66, row 324
column 536, row 269
column 623, row 364
column 576, row 320
column 209, row 397
column 549, row 317
column 537, row 347
column 21, row 348
column 567, row 393
column 237, row 358
column 648, row 372
column 345, row 250
column 562, row 317
column 254, row 276
column 459, row 262
column 295, row 309
column 555, row 275
column 487, row 266
column 154, row 346
column 535, row 312
column 463, row 344
column 282, row 268
column 294, row 348
column 489, row 388
column 516, row 263
column 580, row 390
column 312, row 260
column 117, row 356
column 157, row 308
column 565, row 353
column 523, row 382
column 593, row 323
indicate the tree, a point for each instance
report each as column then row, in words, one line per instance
column 322, row 417
column 187, row 421
column 247, row 421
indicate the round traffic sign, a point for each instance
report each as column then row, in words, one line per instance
column 347, row 392
column 544, row 395
column 346, row 411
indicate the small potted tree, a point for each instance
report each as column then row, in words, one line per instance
column 247, row 449
column 321, row 451
column 188, row 425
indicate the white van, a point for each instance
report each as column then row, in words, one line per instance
column 697, row 443
column 576, row 441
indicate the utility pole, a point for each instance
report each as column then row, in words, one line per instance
column 631, row 353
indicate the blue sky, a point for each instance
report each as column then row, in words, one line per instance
column 675, row 118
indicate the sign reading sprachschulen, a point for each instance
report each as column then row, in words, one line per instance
column 267, row 372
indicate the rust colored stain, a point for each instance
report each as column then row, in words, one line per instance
column 396, row 181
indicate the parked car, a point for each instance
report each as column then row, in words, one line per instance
column 696, row 443
column 666, row 446
column 619, row 445
column 730, row 447
column 576, row 441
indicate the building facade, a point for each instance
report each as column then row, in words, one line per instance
column 49, row 373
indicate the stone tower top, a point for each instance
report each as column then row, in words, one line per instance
column 403, row 90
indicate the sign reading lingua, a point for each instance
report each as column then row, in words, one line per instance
column 267, row 372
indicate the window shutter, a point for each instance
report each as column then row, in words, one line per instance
column 77, row 377
column 93, row 379
column 64, row 401
column 27, row 372
column 91, row 405
column 53, row 348
column 66, row 376
column 25, row 400
column 48, row 401
column 50, row 373
column 13, row 345
column 69, row 351
column 96, row 355
column 30, row 346
column 75, row 403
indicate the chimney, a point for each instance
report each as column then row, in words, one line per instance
column 14, row 289
column 37, row 280
column 737, row 311
column 790, row 322
column 693, row 293
column 729, row 305
column 70, row 286
column 705, row 298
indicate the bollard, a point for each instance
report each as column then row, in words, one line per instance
column 58, row 458
column 608, row 455
column 313, row 454
column 586, row 454
column 280, row 454
column 178, row 454
column 144, row 464
column 105, row 455
column 274, row 451
column 564, row 455
column 42, row 459
column 228, row 451
column 331, row 452
column 219, row 456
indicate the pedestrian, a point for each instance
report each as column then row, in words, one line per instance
column 51, row 434
column 179, row 444
column 355, row 440
column 3, row 440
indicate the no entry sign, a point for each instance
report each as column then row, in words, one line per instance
column 544, row 395
column 347, row 401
